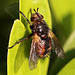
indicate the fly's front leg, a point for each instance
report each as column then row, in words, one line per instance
column 25, row 17
column 21, row 41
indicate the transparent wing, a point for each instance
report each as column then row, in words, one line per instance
column 33, row 58
column 56, row 45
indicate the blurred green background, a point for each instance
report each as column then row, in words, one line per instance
column 6, row 21
column 63, row 25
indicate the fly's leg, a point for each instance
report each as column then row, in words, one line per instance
column 25, row 38
column 25, row 17
column 21, row 41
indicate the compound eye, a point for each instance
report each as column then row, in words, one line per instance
column 33, row 18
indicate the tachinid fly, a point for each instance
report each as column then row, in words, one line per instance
column 43, row 41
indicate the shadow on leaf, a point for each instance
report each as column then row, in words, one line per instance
column 22, row 53
column 59, row 64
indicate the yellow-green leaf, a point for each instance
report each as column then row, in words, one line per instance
column 18, row 56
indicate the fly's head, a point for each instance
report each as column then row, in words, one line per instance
column 35, row 17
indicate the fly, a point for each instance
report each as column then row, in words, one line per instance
column 44, row 40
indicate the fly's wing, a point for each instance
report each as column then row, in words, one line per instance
column 56, row 45
column 33, row 58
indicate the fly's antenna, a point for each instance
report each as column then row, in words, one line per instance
column 36, row 12
column 37, row 9
column 25, row 17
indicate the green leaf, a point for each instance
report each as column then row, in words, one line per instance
column 26, row 5
column 69, row 69
column 70, row 43
column 63, row 15
column 18, row 56
column 63, row 19
column 59, row 64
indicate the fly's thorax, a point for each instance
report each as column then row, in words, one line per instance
column 40, row 28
